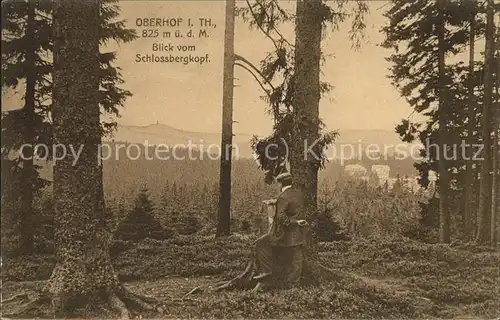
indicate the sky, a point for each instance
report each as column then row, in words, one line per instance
column 189, row 97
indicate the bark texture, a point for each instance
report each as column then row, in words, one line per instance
column 484, row 211
column 29, row 173
column 83, row 275
column 495, row 191
column 471, row 124
column 444, row 213
column 223, row 225
column 83, row 267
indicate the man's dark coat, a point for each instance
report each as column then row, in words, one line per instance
column 289, row 208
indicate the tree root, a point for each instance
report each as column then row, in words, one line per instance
column 125, row 302
column 40, row 303
column 118, row 305
column 21, row 296
column 25, row 305
column 242, row 281
column 313, row 273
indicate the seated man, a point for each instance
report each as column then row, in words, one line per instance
column 286, row 236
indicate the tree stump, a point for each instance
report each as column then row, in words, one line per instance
column 292, row 266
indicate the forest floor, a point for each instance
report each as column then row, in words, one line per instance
column 400, row 279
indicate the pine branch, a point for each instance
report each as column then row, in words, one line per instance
column 254, row 68
column 270, row 19
column 261, row 27
column 254, row 76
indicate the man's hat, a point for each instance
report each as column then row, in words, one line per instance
column 283, row 177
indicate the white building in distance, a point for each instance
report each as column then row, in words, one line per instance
column 382, row 172
column 355, row 170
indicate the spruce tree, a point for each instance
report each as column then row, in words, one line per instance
column 25, row 46
column 83, row 276
column 423, row 35
column 27, row 43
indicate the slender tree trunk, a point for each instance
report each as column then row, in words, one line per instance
column 83, row 274
column 484, row 211
column 304, row 162
column 29, row 174
column 471, row 124
column 224, row 222
column 494, row 185
column 9, row 195
column 444, row 214
column 495, row 191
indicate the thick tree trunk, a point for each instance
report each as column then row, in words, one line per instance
column 444, row 214
column 83, row 268
column 299, row 263
column 29, row 174
column 484, row 211
column 471, row 124
column 304, row 159
column 224, row 221
column 495, row 191
column 83, row 273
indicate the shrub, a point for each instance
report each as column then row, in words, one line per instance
column 119, row 246
column 186, row 224
column 367, row 211
column 246, row 227
column 28, row 268
column 327, row 229
column 428, row 224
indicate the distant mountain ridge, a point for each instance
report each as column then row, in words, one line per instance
column 155, row 134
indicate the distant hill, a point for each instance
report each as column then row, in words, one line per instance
column 137, row 171
column 378, row 137
column 155, row 134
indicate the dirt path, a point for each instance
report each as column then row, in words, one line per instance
column 400, row 287
column 172, row 290
column 426, row 305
